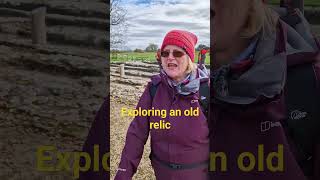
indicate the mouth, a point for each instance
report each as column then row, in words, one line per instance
column 172, row 65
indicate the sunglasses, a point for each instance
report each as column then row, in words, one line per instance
column 175, row 53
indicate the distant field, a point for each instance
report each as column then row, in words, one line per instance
column 146, row 56
column 306, row 2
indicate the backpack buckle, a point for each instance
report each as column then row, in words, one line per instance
column 175, row 166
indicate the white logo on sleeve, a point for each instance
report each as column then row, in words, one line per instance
column 194, row 101
column 296, row 114
column 267, row 125
column 120, row 169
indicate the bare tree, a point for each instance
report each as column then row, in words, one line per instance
column 118, row 25
column 117, row 12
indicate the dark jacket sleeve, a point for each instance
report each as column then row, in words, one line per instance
column 136, row 138
column 99, row 134
column 317, row 146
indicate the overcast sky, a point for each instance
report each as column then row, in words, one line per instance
column 149, row 20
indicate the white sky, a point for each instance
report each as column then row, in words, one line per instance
column 149, row 20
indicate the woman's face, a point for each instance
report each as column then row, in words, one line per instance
column 174, row 65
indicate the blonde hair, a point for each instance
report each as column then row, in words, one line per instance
column 261, row 18
column 191, row 66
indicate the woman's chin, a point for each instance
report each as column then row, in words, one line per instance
column 171, row 73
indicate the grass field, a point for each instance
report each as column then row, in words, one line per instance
column 306, row 2
column 146, row 56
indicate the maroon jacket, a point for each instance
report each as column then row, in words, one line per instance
column 247, row 98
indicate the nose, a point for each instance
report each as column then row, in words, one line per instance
column 171, row 57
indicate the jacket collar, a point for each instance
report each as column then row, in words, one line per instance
column 190, row 85
column 264, row 75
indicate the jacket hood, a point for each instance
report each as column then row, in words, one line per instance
column 188, row 86
column 267, row 76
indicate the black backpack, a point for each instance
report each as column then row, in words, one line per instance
column 303, row 111
column 302, row 99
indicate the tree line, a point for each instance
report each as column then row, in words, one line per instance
column 153, row 48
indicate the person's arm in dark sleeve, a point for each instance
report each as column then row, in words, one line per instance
column 99, row 134
column 136, row 138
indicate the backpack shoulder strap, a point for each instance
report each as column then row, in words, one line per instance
column 153, row 90
column 303, row 105
column 204, row 93
column 155, row 81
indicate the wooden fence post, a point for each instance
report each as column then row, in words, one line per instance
column 122, row 73
column 39, row 32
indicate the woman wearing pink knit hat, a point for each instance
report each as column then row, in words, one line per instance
column 181, row 149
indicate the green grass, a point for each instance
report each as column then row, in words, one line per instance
column 306, row 2
column 146, row 56
column 132, row 56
